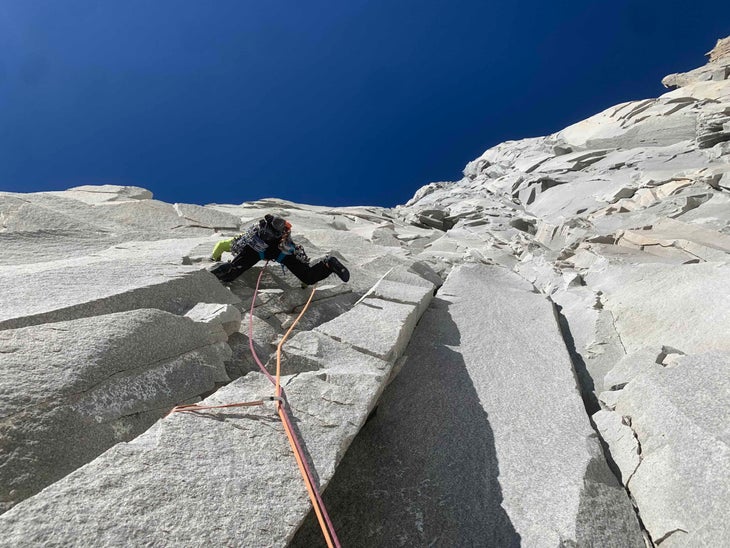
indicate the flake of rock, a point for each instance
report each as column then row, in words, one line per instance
column 591, row 339
column 540, row 272
column 702, row 91
column 571, row 199
column 376, row 327
column 560, row 236
column 95, row 287
column 713, row 128
column 623, row 445
column 386, row 263
column 681, row 419
column 700, row 242
column 709, row 214
column 635, row 124
column 609, row 399
column 225, row 315
column 454, row 406
column 208, row 217
column 94, row 382
column 529, row 164
column 717, row 69
column 604, row 351
column 721, row 51
column 312, row 351
column 399, row 285
column 648, row 197
column 630, row 366
column 320, row 311
column 229, row 459
column 575, row 161
column 595, row 257
column 99, row 194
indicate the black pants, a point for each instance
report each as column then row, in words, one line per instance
column 310, row 275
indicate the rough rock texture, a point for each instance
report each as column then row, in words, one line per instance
column 721, row 50
column 457, row 456
column 69, row 390
column 161, row 487
column 131, row 323
column 620, row 220
column 678, row 467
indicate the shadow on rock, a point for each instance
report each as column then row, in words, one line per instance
column 423, row 471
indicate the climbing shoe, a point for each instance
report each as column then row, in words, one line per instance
column 338, row 268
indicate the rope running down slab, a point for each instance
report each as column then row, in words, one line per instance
column 328, row 530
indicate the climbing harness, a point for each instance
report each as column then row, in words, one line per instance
column 325, row 523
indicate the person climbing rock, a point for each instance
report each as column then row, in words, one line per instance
column 270, row 239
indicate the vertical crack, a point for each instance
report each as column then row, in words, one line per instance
column 591, row 404
column 669, row 534
column 580, row 370
column 599, row 304
column 626, row 420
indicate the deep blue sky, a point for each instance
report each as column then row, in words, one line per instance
column 340, row 102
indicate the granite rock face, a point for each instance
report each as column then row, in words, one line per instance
column 464, row 452
column 567, row 386
column 69, row 390
column 678, row 468
column 131, row 323
column 623, row 221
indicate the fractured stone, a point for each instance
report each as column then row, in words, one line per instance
column 160, row 487
column 375, row 326
column 452, row 456
column 94, row 382
column 681, row 419
column 102, row 287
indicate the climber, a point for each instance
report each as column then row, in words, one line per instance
column 270, row 239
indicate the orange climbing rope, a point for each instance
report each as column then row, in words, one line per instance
column 325, row 524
